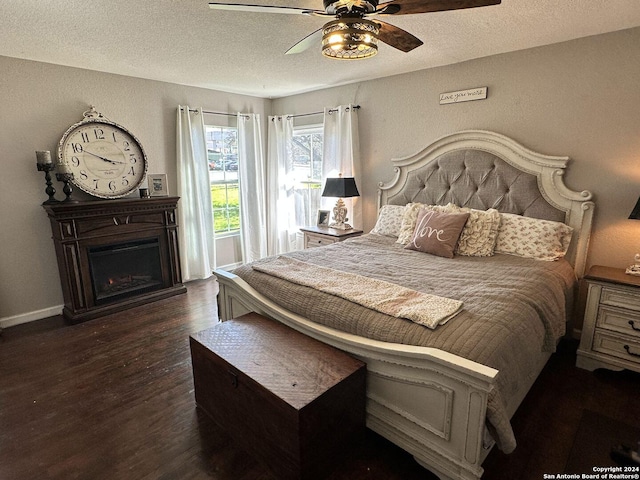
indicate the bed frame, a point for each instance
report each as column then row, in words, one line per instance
column 479, row 169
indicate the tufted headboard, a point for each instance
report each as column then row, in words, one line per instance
column 481, row 169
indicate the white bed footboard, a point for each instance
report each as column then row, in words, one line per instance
column 428, row 402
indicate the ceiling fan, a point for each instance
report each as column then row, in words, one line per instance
column 352, row 35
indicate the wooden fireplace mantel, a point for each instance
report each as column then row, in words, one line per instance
column 78, row 226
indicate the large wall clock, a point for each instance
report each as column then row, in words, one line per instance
column 106, row 160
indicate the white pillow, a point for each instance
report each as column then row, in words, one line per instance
column 389, row 220
column 479, row 235
column 532, row 237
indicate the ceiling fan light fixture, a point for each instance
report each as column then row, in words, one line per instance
column 350, row 38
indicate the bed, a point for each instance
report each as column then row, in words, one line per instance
column 438, row 391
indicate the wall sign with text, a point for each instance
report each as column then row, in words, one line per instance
column 478, row 93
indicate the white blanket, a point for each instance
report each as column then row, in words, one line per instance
column 388, row 298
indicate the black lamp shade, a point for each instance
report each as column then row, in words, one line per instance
column 341, row 187
column 635, row 213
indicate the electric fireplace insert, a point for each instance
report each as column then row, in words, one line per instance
column 125, row 269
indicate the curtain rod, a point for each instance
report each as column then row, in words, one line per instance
column 355, row 107
column 209, row 112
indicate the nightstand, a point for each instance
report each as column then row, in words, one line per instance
column 611, row 329
column 320, row 236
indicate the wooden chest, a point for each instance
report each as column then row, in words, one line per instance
column 296, row 404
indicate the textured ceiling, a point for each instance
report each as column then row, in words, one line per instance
column 185, row 42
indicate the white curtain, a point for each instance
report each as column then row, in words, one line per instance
column 341, row 155
column 281, row 219
column 195, row 214
column 253, row 231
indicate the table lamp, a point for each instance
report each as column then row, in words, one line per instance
column 635, row 268
column 341, row 187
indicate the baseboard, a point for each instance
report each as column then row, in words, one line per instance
column 7, row 322
column 576, row 333
column 231, row 266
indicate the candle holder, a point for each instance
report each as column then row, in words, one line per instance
column 66, row 177
column 50, row 191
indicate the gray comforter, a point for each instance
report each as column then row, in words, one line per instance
column 514, row 308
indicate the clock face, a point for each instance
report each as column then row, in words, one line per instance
column 106, row 160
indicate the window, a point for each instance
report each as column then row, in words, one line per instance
column 222, row 155
column 307, row 173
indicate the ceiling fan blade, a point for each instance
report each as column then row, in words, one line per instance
column 397, row 37
column 244, row 7
column 405, row 7
column 307, row 42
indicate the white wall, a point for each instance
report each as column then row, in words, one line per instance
column 578, row 98
column 39, row 102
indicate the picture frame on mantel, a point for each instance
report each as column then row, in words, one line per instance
column 158, row 185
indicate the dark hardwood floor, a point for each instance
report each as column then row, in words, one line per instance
column 112, row 398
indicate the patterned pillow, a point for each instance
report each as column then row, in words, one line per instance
column 409, row 219
column 389, row 220
column 478, row 238
column 532, row 237
column 437, row 232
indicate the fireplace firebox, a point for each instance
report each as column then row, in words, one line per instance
column 125, row 269
column 115, row 254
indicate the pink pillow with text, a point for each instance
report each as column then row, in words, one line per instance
column 437, row 233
